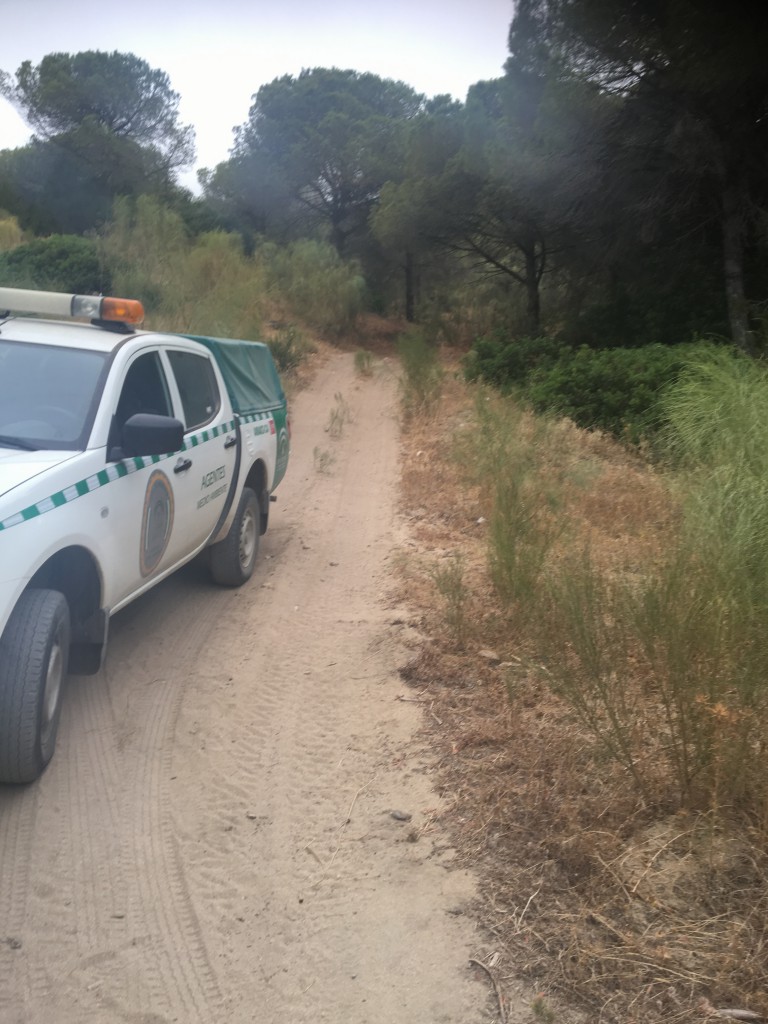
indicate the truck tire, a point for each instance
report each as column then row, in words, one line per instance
column 34, row 654
column 233, row 559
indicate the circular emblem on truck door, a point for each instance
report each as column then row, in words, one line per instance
column 156, row 523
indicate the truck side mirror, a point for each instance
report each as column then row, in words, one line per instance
column 147, row 433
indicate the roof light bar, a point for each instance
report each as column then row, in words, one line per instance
column 91, row 307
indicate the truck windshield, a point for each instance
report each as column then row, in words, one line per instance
column 47, row 395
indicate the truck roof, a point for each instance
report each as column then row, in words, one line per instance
column 248, row 369
column 66, row 333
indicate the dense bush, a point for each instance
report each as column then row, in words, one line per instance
column 203, row 285
column 59, row 263
column 613, row 389
column 422, row 377
column 11, row 234
column 617, row 390
column 315, row 284
column 289, row 348
column 506, row 362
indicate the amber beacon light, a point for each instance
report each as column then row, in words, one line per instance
column 91, row 307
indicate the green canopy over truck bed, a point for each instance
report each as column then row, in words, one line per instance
column 249, row 372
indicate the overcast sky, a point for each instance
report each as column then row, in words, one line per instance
column 218, row 52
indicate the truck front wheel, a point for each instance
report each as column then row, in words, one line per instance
column 234, row 558
column 34, row 653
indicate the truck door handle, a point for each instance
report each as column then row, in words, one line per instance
column 182, row 465
column 230, row 442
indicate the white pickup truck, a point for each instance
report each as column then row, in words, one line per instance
column 123, row 455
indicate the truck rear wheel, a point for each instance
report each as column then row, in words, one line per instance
column 233, row 559
column 34, row 654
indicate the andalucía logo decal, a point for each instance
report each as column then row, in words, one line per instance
column 156, row 523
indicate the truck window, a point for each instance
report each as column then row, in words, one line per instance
column 144, row 390
column 197, row 387
column 47, row 394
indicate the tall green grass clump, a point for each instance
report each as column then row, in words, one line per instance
column 448, row 578
column 717, row 414
column 505, row 452
column 289, row 348
column 668, row 666
column 145, row 246
column 11, row 234
column 422, row 375
column 204, row 285
column 319, row 288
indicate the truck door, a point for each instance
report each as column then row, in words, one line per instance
column 143, row 499
column 164, row 509
column 202, row 473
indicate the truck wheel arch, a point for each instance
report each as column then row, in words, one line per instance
column 257, row 482
column 75, row 573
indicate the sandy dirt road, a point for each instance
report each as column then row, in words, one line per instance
column 213, row 842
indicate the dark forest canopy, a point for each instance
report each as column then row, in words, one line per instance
column 105, row 124
column 318, row 148
column 689, row 139
column 116, row 92
column 611, row 185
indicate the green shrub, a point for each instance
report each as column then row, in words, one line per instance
column 448, row 578
column 508, row 362
column 667, row 666
column 364, row 363
column 11, row 234
column 60, row 263
column 616, row 390
column 318, row 287
column 145, row 247
column 422, row 377
column 289, row 348
column 202, row 286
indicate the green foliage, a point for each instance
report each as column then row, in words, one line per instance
column 667, row 666
column 51, row 190
column 318, row 287
column 501, row 454
column 65, row 263
column 422, row 376
column 615, row 390
column 289, row 349
column 106, row 125
column 117, row 92
column 146, row 247
column 363, row 363
column 11, row 234
column 508, row 362
column 322, row 144
column 204, row 286
column 667, row 295
column 449, row 582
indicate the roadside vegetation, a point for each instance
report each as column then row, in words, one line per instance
column 595, row 667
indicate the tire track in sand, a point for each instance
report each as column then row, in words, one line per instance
column 109, row 931
column 324, row 918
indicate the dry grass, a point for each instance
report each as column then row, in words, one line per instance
column 632, row 911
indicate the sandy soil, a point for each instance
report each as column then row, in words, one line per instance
column 214, row 840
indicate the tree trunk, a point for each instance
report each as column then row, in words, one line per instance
column 733, row 259
column 410, row 289
column 533, row 305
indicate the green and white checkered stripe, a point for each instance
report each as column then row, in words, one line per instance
column 117, row 472
column 254, row 417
